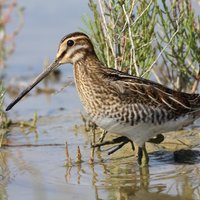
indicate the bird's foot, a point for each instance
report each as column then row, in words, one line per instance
column 103, row 135
column 157, row 140
column 123, row 140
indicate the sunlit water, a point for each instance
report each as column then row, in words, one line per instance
column 34, row 166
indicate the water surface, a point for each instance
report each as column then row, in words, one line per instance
column 34, row 165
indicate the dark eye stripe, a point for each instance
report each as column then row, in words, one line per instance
column 62, row 55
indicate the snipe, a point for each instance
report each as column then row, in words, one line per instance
column 120, row 103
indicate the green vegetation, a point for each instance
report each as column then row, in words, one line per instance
column 4, row 122
column 145, row 38
column 29, row 124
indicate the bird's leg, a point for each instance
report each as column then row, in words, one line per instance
column 122, row 139
column 101, row 139
column 103, row 135
column 121, row 145
column 113, row 141
column 93, row 128
column 143, row 158
column 157, row 140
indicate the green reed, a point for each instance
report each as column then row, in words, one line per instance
column 148, row 38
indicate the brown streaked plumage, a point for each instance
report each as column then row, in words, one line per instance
column 117, row 102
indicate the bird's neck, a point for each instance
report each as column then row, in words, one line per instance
column 87, row 65
column 87, row 72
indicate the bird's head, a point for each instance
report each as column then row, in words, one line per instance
column 72, row 48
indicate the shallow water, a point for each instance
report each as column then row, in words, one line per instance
column 35, row 166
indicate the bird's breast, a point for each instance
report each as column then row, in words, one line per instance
column 96, row 97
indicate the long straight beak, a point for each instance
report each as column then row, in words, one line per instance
column 40, row 77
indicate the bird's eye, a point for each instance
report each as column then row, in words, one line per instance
column 70, row 43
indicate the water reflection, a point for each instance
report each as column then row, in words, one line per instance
column 40, row 168
column 12, row 165
column 128, row 181
column 4, row 175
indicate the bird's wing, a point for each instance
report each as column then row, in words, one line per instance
column 137, row 90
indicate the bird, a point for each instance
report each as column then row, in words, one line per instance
column 117, row 102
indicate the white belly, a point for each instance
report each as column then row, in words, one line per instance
column 142, row 132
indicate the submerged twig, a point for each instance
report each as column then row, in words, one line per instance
column 79, row 156
column 69, row 160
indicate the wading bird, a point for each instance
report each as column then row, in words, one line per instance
column 131, row 106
